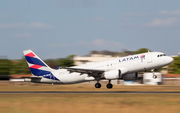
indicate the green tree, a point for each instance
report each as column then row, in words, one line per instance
column 19, row 67
column 61, row 62
column 142, row 50
column 174, row 68
column 51, row 63
column 66, row 62
column 4, row 66
column 4, row 69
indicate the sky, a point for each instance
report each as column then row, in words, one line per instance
column 58, row 28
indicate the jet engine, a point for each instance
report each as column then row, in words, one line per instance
column 113, row 74
column 132, row 76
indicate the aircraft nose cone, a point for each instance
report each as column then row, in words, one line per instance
column 170, row 60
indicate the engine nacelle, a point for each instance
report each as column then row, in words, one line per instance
column 113, row 74
column 132, row 76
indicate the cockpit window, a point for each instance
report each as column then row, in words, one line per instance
column 161, row 55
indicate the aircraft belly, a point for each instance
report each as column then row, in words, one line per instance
column 50, row 81
column 72, row 78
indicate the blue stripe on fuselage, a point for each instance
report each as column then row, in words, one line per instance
column 45, row 74
column 34, row 61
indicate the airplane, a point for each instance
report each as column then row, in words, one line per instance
column 125, row 68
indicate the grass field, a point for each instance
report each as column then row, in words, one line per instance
column 89, row 103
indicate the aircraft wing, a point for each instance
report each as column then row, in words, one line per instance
column 96, row 73
column 90, row 72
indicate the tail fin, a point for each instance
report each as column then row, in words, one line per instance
column 36, row 65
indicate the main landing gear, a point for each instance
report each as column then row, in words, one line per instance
column 109, row 85
column 154, row 76
column 98, row 85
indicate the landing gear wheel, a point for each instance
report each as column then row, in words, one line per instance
column 98, row 85
column 109, row 85
column 154, row 76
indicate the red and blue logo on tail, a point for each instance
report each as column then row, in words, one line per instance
column 37, row 66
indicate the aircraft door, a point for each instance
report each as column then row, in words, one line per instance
column 149, row 58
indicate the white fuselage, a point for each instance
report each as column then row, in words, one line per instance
column 128, row 64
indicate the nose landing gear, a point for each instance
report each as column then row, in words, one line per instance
column 154, row 76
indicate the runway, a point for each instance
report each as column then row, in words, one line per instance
column 87, row 92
